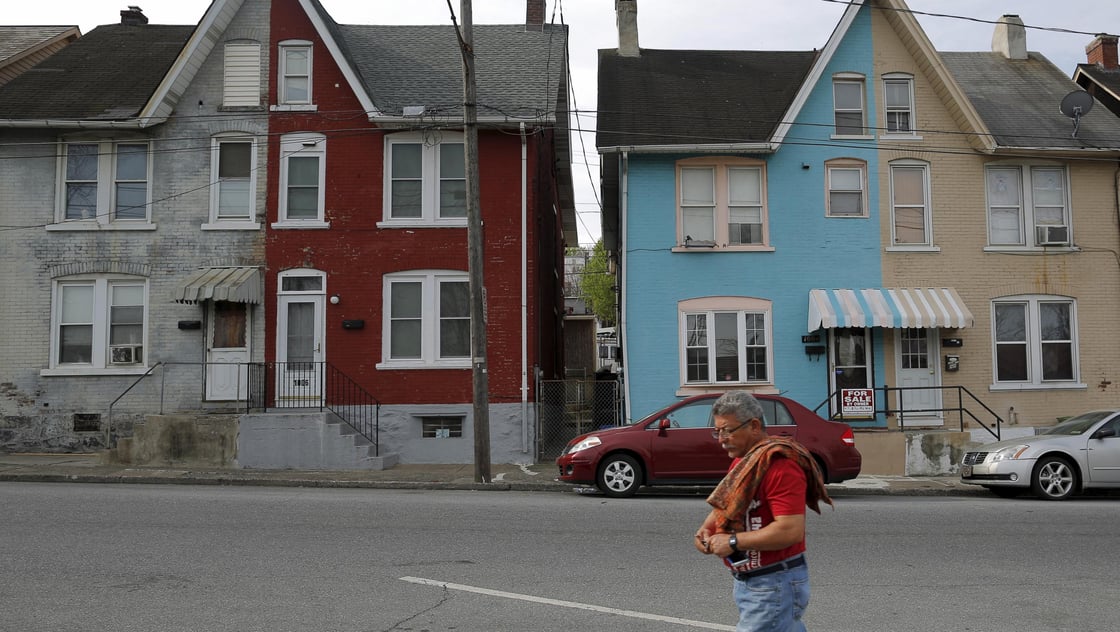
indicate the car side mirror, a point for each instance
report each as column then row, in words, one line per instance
column 1104, row 433
column 664, row 424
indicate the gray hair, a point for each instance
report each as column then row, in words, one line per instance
column 739, row 405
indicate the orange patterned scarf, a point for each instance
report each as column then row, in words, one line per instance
column 734, row 493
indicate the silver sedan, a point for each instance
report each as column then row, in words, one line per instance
column 1080, row 453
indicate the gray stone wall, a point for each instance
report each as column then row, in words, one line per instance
column 37, row 410
column 400, row 433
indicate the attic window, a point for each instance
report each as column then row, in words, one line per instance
column 241, row 84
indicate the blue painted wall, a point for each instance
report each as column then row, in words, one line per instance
column 811, row 251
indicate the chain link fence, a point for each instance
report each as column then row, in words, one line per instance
column 568, row 408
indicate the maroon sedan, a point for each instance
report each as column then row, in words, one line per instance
column 674, row 446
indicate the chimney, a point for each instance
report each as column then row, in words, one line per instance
column 1102, row 51
column 133, row 16
column 1010, row 38
column 534, row 15
column 626, row 13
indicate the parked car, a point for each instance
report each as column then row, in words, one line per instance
column 1077, row 454
column 674, row 446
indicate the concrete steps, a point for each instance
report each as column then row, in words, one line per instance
column 305, row 439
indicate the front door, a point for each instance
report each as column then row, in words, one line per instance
column 227, row 350
column 849, row 358
column 299, row 340
column 916, row 371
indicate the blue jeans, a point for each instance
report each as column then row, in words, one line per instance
column 774, row 602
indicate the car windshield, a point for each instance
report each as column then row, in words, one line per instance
column 1079, row 424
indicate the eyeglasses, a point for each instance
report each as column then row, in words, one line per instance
column 727, row 431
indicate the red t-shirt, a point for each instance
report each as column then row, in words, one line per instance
column 781, row 493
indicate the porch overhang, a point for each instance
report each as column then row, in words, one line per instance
column 891, row 308
column 234, row 284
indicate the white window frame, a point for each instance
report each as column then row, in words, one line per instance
column 431, row 145
column 282, row 99
column 241, row 74
column 908, row 81
column 104, row 216
column 430, row 316
column 302, row 145
column 100, row 359
column 247, row 222
column 848, row 79
column 1031, row 303
column 741, row 308
column 722, row 209
column 926, row 206
column 1029, row 219
column 845, row 164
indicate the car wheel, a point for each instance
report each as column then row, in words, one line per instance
column 620, row 476
column 1053, row 479
column 1004, row 492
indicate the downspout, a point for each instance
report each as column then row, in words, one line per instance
column 524, row 295
column 624, row 166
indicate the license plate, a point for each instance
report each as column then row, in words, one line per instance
column 966, row 471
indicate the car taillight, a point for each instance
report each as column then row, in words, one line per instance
column 848, row 437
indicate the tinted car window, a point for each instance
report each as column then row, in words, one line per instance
column 776, row 413
column 1078, row 424
column 695, row 415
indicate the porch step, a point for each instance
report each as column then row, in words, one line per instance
column 313, row 440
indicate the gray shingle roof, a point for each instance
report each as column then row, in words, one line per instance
column 1018, row 100
column 675, row 97
column 518, row 72
column 107, row 74
column 18, row 39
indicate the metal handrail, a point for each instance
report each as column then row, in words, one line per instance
column 960, row 409
column 109, row 423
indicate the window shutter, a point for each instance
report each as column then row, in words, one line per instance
column 242, row 82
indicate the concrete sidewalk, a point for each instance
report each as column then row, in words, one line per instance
column 90, row 468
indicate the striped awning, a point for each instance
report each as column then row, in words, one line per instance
column 237, row 285
column 922, row 308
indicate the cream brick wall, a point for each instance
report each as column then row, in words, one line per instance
column 1090, row 274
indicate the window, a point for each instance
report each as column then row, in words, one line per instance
column 427, row 319
column 725, row 341
column 441, row 427
column 847, row 181
column 295, row 73
column 105, row 183
column 848, row 105
column 910, row 208
column 99, row 323
column 1020, row 196
column 233, row 178
column 302, row 173
column 1034, row 340
column 241, row 80
column 721, row 202
column 898, row 100
column 427, row 179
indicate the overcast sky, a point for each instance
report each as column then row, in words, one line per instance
column 719, row 24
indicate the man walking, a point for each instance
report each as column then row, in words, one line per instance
column 757, row 522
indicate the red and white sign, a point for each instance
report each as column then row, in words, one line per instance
column 857, row 402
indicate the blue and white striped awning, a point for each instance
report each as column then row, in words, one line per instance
column 922, row 308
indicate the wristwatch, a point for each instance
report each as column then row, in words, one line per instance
column 733, row 542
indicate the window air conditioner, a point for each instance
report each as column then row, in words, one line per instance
column 126, row 354
column 1052, row 235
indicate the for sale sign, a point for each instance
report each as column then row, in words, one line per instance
column 857, row 402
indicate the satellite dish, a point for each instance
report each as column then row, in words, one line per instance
column 1075, row 105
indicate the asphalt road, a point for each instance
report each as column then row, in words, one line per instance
column 170, row 558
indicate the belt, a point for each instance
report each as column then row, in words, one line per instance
column 784, row 565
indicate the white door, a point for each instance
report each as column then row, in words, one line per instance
column 916, row 366
column 299, row 350
column 227, row 350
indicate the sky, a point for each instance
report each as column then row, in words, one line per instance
column 1059, row 29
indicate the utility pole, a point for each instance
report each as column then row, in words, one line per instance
column 481, row 379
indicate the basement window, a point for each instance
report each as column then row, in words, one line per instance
column 441, row 427
column 87, row 422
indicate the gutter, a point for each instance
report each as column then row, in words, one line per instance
column 620, row 328
column 80, row 124
column 524, row 295
column 758, row 148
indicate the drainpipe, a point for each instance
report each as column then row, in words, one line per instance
column 524, row 296
column 621, row 329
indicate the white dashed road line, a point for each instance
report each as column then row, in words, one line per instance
column 569, row 604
